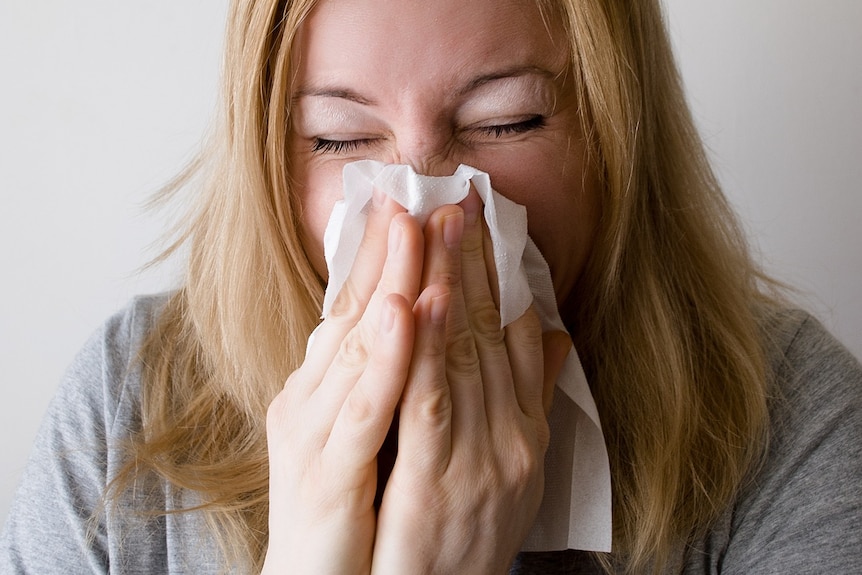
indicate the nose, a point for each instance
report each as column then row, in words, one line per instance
column 427, row 149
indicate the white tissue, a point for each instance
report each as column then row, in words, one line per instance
column 576, row 509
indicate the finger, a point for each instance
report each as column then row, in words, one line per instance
column 479, row 276
column 524, row 347
column 368, row 409
column 367, row 267
column 402, row 271
column 443, row 233
column 556, row 345
column 444, row 251
column 401, row 276
column 479, row 286
column 425, row 420
column 358, row 289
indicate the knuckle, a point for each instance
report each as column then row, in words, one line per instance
column 525, row 460
column 359, row 407
column 527, row 329
column 277, row 412
column 436, row 408
column 353, row 352
column 461, row 352
column 347, row 305
column 485, row 322
column 543, row 434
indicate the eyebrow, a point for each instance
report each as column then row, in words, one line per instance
column 473, row 84
column 325, row 92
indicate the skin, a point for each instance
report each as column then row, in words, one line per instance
column 414, row 337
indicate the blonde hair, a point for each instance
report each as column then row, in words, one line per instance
column 666, row 323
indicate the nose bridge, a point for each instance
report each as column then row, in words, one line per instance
column 427, row 148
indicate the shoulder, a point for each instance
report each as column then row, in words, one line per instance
column 801, row 345
column 121, row 336
column 803, row 507
column 96, row 403
column 817, row 383
column 105, row 374
column 50, row 526
column 136, row 318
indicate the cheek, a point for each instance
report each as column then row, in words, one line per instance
column 565, row 230
column 561, row 198
column 318, row 188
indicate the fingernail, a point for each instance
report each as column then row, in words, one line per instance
column 453, row 229
column 439, row 309
column 395, row 234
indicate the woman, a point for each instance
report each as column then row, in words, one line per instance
column 176, row 444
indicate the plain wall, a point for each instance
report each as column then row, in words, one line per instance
column 102, row 102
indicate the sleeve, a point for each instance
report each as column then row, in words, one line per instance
column 55, row 523
column 803, row 513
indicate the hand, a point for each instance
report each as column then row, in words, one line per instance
column 468, row 478
column 326, row 426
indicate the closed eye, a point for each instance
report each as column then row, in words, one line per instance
column 533, row 123
column 325, row 146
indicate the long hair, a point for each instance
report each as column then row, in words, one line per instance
column 669, row 308
column 666, row 322
column 227, row 340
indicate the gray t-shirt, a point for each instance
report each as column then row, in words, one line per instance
column 802, row 513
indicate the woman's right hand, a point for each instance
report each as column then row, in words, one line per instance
column 326, row 427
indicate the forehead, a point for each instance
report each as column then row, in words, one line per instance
column 432, row 42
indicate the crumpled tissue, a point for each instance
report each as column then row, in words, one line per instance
column 576, row 509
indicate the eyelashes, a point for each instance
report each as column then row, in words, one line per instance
column 533, row 123
column 326, row 146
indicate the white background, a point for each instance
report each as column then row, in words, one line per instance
column 102, row 102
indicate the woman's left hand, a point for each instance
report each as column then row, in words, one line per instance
column 469, row 474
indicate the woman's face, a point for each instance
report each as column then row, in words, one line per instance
column 434, row 85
